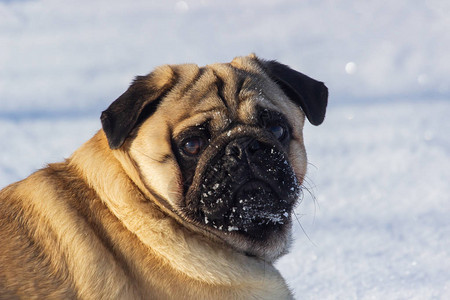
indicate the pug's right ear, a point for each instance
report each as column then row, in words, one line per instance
column 138, row 102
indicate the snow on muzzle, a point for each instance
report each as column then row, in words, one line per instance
column 250, row 189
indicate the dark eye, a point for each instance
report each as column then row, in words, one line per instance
column 193, row 146
column 278, row 131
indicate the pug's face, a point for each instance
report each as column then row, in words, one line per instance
column 220, row 148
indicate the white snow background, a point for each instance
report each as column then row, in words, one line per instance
column 379, row 226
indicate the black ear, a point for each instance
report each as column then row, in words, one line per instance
column 135, row 105
column 311, row 95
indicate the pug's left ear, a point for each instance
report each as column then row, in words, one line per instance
column 311, row 95
column 138, row 102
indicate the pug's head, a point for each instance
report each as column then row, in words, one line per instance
column 220, row 148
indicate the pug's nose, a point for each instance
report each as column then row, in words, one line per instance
column 242, row 148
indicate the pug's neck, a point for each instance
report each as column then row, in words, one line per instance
column 163, row 241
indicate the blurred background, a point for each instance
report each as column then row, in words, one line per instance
column 66, row 56
column 376, row 224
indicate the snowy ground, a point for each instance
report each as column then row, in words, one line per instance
column 380, row 228
column 380, row 164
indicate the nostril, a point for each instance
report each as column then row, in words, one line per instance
column 254, row 146
column 233, row 150
column 242, row 147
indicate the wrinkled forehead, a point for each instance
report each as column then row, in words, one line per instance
column 220, row 94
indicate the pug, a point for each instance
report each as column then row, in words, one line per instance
column 187, row 191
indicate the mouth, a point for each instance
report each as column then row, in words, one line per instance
column 255, row 209
column 255, row 201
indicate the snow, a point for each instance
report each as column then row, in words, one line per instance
column 380, row 225
column 377, row 223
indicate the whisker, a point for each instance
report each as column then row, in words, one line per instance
column 313, row 165
column 308, row 186
column 304, row 231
